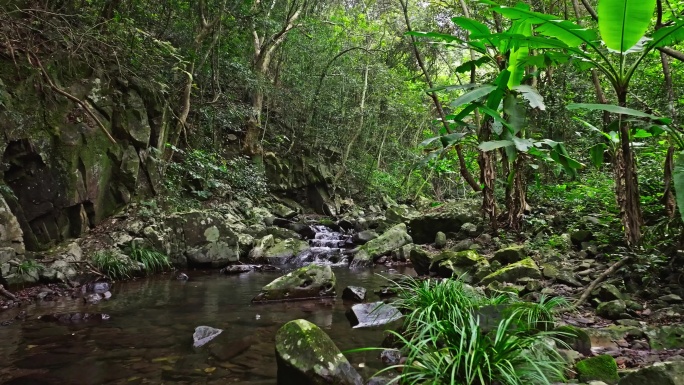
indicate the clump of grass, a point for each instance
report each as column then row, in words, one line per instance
column 28, row 267
column 151, row 260
column 455, row 334
column 112, row 265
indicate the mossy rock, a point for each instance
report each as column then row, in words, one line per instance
column 307, row 356
column 666, row 337
column 576, row 338
column 599, row 368
column 421, row 260
column 526, row 268
column 283, row 251
column 510, row 255
column 667, row 373
column 312, row 281
column 612, row 310
column 392, row 239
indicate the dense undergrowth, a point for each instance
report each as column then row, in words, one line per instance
column 455, row 334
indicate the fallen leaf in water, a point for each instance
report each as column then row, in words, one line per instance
column 169, row 359
column 209, row 370
column 29, row 347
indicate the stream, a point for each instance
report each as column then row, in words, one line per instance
column 148, row 336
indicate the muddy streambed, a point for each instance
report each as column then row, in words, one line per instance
column 148, row 336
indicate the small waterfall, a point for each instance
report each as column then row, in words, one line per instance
column 328, row 247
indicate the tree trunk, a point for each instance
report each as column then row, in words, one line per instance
column 668, row 195
column 487, row 161
column 252, row 145
column 516, row 194
column 465, row 173
column 358, row 131
column 626, row 182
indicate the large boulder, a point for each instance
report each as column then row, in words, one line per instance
column 448, row 217
column 392, row 239
column 312, row 281
column 458, row 263
column 526, row 268
column 307, row 356
column 510, row 254
column 613, row 310
column 284, row 251
column 202, row 238
column 665, row 373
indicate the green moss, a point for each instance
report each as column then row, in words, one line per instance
column 599, row 368
column 526, row 268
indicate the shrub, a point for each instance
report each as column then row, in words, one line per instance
column 28, row 267
column 455, row 334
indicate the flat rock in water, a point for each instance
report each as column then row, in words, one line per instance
column 372, row 314
column 75, row 317
column 237, row 269
column 204, row 334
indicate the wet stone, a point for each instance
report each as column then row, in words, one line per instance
column 354, row 293
column 372, row 314
column 204, row 334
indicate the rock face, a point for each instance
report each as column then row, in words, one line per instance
column 307, row 356
column 63, row 174
column 11, row 236
column 284, row 251
column 392, row 239
column 312, row 281
column 372, row 314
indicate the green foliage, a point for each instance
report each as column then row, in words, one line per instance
column 111, row 265
column 454, row 334
column 204, row 174
column 151, row 260
column 28, row 267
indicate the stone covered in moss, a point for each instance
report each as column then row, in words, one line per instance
column 311, row 281
column 576, row 338
column 667, row 373
column 392, row 239
column 283, row 251
column 612, row 310
column 666, row 337
column 526, row 268
column 599, row 368
column 510, row 255
column 307, row 356
column 461, row 263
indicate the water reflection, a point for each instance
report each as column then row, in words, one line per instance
column 148, row 339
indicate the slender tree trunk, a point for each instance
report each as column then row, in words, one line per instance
column 358, row 131
column 465, row 173
column 626, row 182
column 487, row 161
column 668, row 194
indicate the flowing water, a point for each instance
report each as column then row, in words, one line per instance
column 148, row 337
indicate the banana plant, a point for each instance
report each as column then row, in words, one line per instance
column 502, row 103
column 616, row 49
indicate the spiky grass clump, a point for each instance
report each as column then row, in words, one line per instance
column 152, row 261
column 112, row 265
column 455, row 334
column 28, row 267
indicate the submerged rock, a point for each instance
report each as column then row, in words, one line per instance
column 236, row 269
column 75, row 317
column 307, row 356
column 372, row 314
column 312, row 281
column 204, row 334
column 392, row 239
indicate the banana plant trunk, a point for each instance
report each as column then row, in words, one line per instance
column 626, row 182
column 487, row 161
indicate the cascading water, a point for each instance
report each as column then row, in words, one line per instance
column 328, row 247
